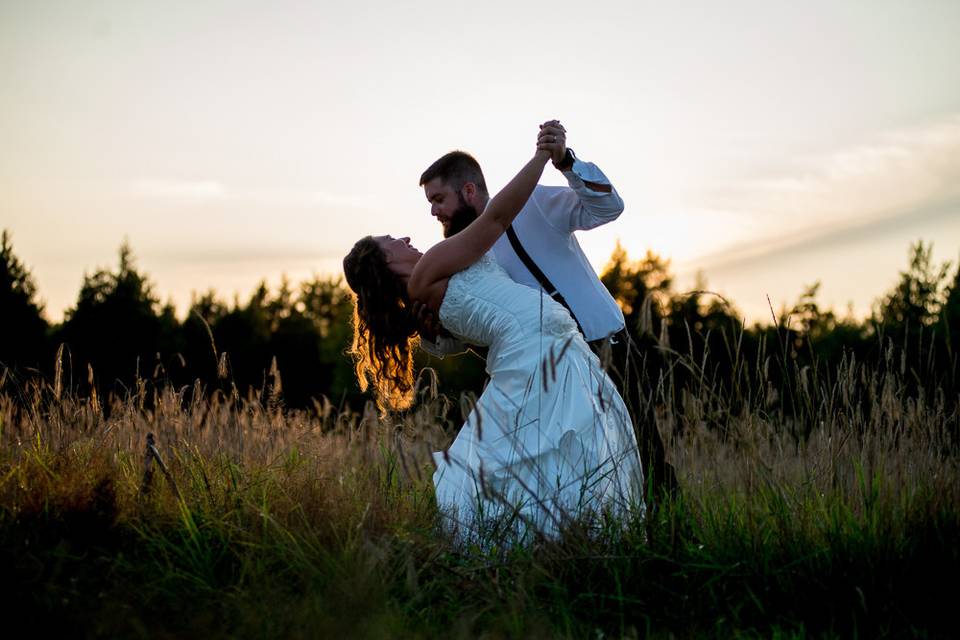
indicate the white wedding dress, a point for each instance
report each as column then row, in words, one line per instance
column 550, row 438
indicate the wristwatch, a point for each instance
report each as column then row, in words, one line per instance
column 567, row 163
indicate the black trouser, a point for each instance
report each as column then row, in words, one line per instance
column 622, row 363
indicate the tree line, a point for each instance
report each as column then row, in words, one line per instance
column 288, row 345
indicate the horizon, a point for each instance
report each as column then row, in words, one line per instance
column 239, row 297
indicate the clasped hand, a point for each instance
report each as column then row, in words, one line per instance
column 553, row 138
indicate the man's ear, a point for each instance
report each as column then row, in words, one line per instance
column 469, row 192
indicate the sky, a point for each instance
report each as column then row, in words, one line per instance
column 766, row 145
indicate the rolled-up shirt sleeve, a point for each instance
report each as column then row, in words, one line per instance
column 580, row 207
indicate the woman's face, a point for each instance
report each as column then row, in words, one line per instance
column 400, row 254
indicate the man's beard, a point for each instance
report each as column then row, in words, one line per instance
column 461, row 218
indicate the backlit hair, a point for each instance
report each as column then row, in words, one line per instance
column 384, row 329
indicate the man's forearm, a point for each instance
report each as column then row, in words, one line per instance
column 599, row 201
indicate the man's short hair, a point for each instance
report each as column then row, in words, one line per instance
column 456, row 169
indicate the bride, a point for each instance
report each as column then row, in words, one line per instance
column 550, row 439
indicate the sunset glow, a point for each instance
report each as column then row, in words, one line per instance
column 767, row 144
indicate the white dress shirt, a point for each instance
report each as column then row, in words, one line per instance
column 545, row 227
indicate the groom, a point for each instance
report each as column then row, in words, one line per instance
column 540, row 250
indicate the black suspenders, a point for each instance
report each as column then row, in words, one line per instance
column 540, row 275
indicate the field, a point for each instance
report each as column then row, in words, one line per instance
column 838, row 518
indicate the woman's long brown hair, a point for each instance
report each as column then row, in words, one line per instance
column 384, row 329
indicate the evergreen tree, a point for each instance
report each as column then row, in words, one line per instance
column 242, row 336
column 117, row 326
column 641, row 288
column 950, row 319
column 907, row 316
column 201, row 353
column 23, row 330
column 915, row 301
column 328, row 305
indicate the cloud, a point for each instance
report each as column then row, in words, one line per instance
column 893, row 176
column 201, row 191
column 247, row 254
column 322, row 197
column 837, row 236
column 178, row 190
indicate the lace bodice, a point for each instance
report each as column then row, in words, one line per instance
column 484, row 306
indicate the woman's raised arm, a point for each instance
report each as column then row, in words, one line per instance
column 460, row 251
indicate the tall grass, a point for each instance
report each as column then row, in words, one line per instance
column 839, row 517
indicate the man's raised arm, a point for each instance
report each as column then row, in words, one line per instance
column 591, row 199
